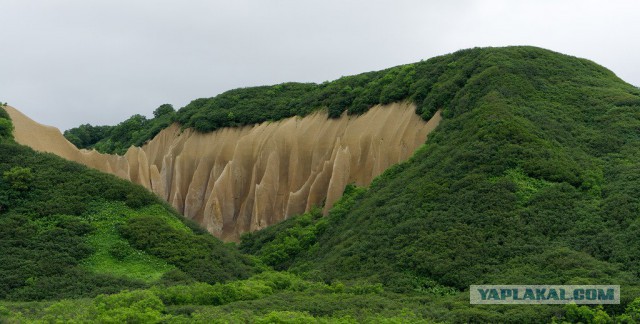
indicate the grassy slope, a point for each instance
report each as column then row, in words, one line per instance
column 112, row 254
column 62, row 232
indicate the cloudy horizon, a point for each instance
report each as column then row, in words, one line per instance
column 69, row 62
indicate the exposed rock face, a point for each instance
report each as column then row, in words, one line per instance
column 243, row 179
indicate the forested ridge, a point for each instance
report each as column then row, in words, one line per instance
column 531, row 178
column 430, row 84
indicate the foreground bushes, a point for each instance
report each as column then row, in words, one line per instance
column 280, row 296
column 192, row 302
column 58, row 236
column 200, row 255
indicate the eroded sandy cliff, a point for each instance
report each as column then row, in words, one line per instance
column 242, row 179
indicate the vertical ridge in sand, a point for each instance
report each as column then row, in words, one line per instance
column 235, row 180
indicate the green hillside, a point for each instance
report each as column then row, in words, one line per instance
column 532, row 177
column 69, row 231
column 535, row 163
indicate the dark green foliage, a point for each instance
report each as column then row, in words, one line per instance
column 120, row 251
column 243, row 106
column 61, row 187
column 42, row 242
column 42, row 263
column 137, row 197
column 163, row 111
column 201, row 256
column 134, row 131
column 86, row 135
column 430, row 84
column 176, row 277
column 6, row 126
column 532, row 177
column 46, row 219
column 281, row 243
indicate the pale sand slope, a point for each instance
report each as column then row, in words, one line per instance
column 235, row 180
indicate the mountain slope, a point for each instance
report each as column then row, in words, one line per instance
column 67, row 231
column 530, row 178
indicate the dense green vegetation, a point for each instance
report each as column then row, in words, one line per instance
column 202, row 256
column 62, row 225
column 6, row 127
column 117, row 139
column 270, row 297
column 280, row 297
column 531, row 178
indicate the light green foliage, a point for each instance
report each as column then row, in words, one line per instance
column 291, row 238
column 279, row 245
column 256, row 287
column 275, row 296
column 349, row 197
column 195, row 294
column 527, row 186
column 138, row 306
column 160, row 211
column 113, row 254
column 69, row 311
column 19, row 178
column 286, row 317
column 591, row 315
column 632, row 311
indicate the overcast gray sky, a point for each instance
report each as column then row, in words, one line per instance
column 68, row 62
